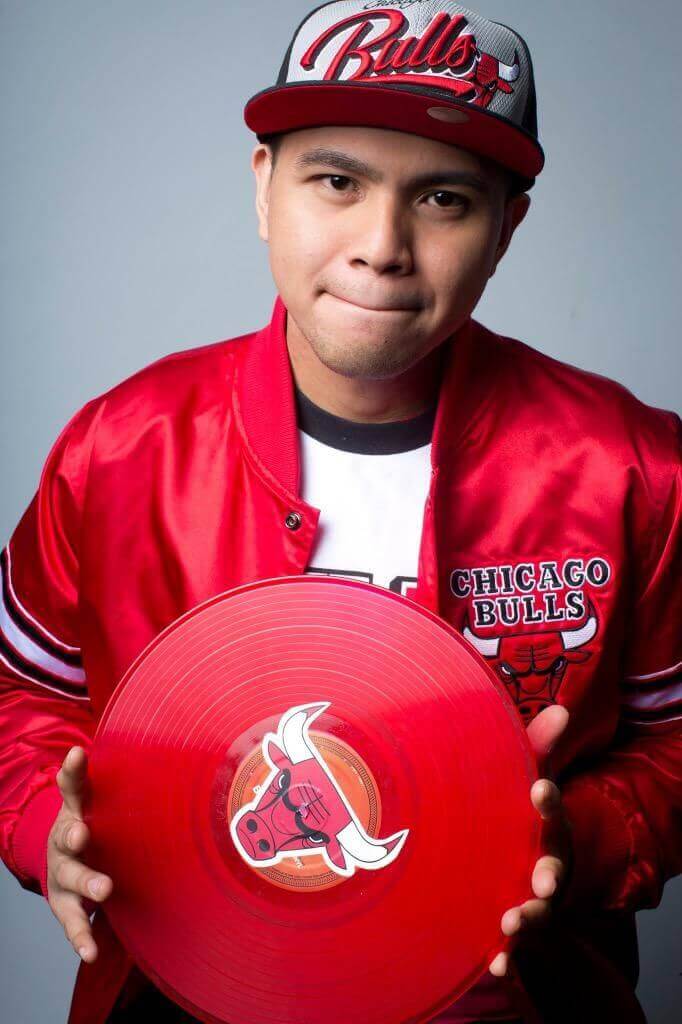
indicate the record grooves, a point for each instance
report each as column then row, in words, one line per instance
column 303, row 790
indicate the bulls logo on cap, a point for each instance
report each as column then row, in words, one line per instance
column 429, row 67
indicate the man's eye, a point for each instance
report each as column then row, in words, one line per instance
column 334, row 180
column 453, row 200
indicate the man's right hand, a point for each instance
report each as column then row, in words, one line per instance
column 68, row 878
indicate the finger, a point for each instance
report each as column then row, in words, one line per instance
column 78, row 837
column 529, row 914
column 71, row 779
column 73, row 835
column 73, row 876
column 547, row 875
column 512, row 921
column 545, row 797
column 499, row 965
column 535, row 913
column 76, row 925
column 545, row 730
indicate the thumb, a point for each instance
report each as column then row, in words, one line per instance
column 71, row 779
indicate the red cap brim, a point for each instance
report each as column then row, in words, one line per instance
column 304, row 105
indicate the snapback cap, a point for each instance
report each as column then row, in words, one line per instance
column 429, row 67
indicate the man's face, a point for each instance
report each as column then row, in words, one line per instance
column 380, row 242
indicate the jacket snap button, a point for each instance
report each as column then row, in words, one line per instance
column 293, row 520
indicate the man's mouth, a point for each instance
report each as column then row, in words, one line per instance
column 378, row 308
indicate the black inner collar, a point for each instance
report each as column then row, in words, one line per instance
column 364, row 438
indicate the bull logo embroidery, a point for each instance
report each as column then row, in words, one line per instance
column 300, row 810
column 446, row 55
column 533, row 665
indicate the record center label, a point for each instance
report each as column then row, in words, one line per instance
column 310, row 804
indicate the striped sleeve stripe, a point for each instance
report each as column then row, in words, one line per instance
column 662, row 674
column 652, row 719
column 27, row 623
column 651, row 705
column 654, row 698
column 28, row 653
column 32, row 674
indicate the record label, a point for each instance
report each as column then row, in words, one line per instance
column 292, row 787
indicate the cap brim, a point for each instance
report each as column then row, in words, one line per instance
column 402, row 108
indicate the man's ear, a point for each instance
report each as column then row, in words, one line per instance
column 514, row 212
column 261, row 162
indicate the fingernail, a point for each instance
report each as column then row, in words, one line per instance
column 82, row 952
column 95, row 885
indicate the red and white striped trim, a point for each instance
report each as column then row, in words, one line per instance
column 655, row 675
column 662, row 697
column 39, row 682
column 653, row 720
column 50, row 637
column 653, row 698
column 31, row 650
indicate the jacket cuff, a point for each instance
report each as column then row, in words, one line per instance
column 602, row 846
column 29, row 841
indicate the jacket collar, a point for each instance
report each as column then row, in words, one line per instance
column 264, row 394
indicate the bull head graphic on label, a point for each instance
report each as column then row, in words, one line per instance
column 300, row 810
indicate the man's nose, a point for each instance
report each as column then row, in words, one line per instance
column 382, row 236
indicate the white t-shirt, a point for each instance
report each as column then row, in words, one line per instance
column 370, row 482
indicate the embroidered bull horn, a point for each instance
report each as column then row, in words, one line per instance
column 487, row 647
column 510, row 72
column 369, row 852
column 293, row 731
column 573, row 638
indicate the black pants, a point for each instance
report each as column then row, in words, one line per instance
column 149, row 1005
column 152, row 1005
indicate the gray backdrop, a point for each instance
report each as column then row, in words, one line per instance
column 129, row 231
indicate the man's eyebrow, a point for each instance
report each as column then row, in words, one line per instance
column 346, row 162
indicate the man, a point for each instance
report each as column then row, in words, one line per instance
column 374, row 429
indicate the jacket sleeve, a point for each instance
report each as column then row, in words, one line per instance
column 626, row 809
column 44, row 704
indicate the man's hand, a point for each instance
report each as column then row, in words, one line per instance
column 553, row 868
column 68, row 878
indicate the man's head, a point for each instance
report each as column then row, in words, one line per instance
column 405, row 140
column 358, row 217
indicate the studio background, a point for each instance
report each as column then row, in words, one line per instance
column 129, row 231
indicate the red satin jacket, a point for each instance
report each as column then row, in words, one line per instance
column 552, row 539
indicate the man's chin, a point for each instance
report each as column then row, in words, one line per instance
column 357, row 348
column 372, row 365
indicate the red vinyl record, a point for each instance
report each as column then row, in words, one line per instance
column 313, row 798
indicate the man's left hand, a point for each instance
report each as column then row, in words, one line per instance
column 553, row 868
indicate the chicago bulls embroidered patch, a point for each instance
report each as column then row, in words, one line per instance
column 535, row 622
